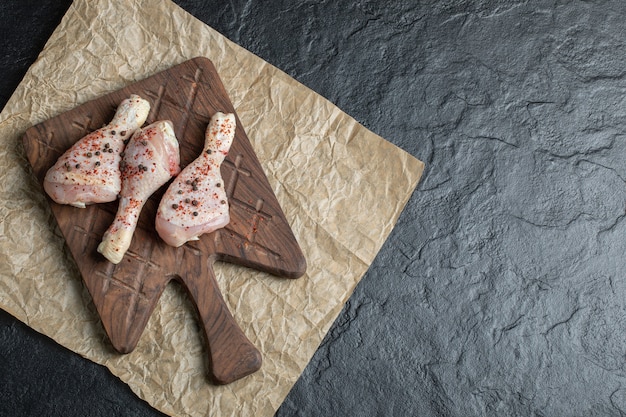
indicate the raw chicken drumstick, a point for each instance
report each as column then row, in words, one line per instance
column 195, row 203
column 151, row 158
column 88, row 172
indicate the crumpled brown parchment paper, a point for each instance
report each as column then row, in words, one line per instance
column 341, row 187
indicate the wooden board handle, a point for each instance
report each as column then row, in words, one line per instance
column 231, row 355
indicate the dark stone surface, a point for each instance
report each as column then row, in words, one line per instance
column 41, row 378
column 502, row 289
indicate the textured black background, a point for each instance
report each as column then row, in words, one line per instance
column 501, row 291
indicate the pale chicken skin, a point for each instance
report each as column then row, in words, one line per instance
column 150, row 159
column 88, row 172
column 196, row 203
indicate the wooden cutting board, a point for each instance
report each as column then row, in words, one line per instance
column 258, row 235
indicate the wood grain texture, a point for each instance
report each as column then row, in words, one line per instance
column 258, row 235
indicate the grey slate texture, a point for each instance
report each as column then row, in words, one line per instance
column 501, row 291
